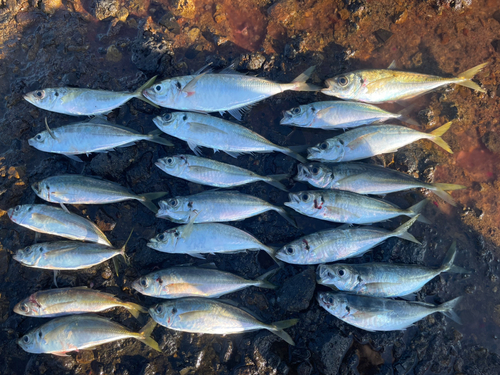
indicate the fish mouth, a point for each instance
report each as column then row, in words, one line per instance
column 10, row 213
column 302, row 173
column 321, row 297
column 157, row 121
column 312, row 151
column 31, row 142
column 287, row 118
column 161, row 164
column 294, row 200
column 145, row 93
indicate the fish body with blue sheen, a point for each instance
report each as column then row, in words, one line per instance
column 337, row 244
column 210, row 172
column 83, row 102
column 365, row 178
column 67, row 301
column 331, row 115
column 345, row 207
column 382, row 314
column 220, row 92
column 202, row 315
column 179, row 282
column 198, row 129
column 77, row 189
column 383, row 279
column 205, row 238
column 78, row 332
column 387, row 85
column 52, row 220
column 215, row 206
column 367, row 141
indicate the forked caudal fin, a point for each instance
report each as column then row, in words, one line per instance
column 299, row 83
column 138, row 93
column 285, row 215
column 416, row 210
column 273, row 180
column 440, row 190
column 262, row 281
column 154, row 136
column 469, row 74
column 447, row 309
column 402, row 231
column 293, row 154
column 449, row 259
column 135, row 309
column 436, row 137
column 145, row 335
column 278, row 329
column 148, row 198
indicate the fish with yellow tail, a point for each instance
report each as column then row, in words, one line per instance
column 387, row 85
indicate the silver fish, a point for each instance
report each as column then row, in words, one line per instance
column 365, row 178
column 84, row 102
column 201, row 315
column 387, row 85
column 216, row 206
column 336, row 115
column 66, row 255
column 178, row 282
column 66, row 301
column 77, row 189
column 346, row 207
column 381, row 314
column 213, row 173
column 77, row 332
column 234, row 93
column 336, row 244
column 52, row 220
column 196, row 239
column 87, row 137
column 383, row 279
column 368, row 141
column 202, row 130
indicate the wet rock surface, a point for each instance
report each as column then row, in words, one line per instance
column 119, row 45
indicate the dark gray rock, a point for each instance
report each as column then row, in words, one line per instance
column 328, row 349
column 297, row 291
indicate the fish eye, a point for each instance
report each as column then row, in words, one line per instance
column 343, row 80
column 26, row 339
column 178, row 85
column 161, row 237
column 341, row 141
column 170, row 160
column 38, row 137
column 323, row 146
column 24, row 308
column 158, row 88
column 305, row 197
column 176, row 233
column 341, row 272
column 330, row 300
column 40, row 94
column 40, row 334
column 289, row 250
column 56, row 93
column 158, row 309
column 315, row 170
column 174, row 310
column 17, row 208
column 184, row 118
column 296, row 110
column 41, row 249
column 173, row 202
column 144, row 282
column 167, row 117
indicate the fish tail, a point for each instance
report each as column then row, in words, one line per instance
column 138, row 93
column 272, row 253
column 278, row 329
column 440, row 190
column 125, row 257
column 273, row 180
column 293, row 154
column 299, row 83
column 469, row 74
column 148, row 198
column 135, row 309
column 154, row 136
column 416, row 210
column 449, row 259
column 436, row 136
column 262, row 281
column 285, row 215
column 447, row 309
column 402, row 231
column 145, row 335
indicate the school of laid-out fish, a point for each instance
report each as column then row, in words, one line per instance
column 363, row 294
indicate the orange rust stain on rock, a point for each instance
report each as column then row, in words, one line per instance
column 480, row 163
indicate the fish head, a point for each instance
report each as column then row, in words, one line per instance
column 28, row 306
column 45, row 99
column 146, row 284
column 42, row 189
column 20, row 213
column 177, row 209
column 169, row 122
column 330, row 150
column 168, row 238
column 316, row 174
column 33, row 341
column 296, row 252
column 30, row 255
column 345, row 86
column 42, row 141
column 165, row 313
column 342, row 276
column 305, row 202
column 167, row 92
column 299, row 116
column 173, row 164
column 335, row 303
